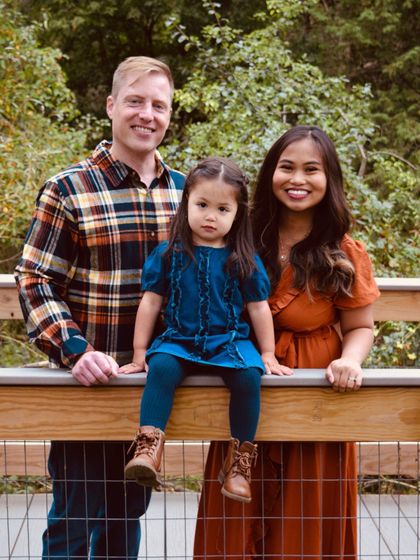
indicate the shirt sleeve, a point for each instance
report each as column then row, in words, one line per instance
column 364, row 290
column 257, row 286
column 43, row 274
column 154, row 276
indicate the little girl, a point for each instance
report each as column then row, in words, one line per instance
column 209, row 272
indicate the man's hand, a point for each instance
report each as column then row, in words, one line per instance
column 94, row 368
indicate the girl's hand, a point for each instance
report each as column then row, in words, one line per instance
column 344, row 374
column 137, row 365
column 272, row 366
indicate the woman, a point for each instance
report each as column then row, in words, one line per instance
column 304, row 494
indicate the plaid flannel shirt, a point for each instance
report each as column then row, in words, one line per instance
column 79, row 275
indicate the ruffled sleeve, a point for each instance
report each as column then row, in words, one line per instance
column 365, row 290
column 257, row 286
column 154, row 276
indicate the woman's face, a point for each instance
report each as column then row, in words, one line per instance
column 299, row 180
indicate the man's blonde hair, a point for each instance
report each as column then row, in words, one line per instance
column 140, row 65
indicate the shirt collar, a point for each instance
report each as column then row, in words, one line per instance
column 116, row 170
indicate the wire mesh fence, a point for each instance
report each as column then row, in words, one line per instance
column 388, row 506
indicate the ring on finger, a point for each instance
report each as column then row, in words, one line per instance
column 354, row 379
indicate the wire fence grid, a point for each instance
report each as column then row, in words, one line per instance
column 388, row 510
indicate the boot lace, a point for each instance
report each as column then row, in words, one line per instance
column 242, row 463
column 145, row 443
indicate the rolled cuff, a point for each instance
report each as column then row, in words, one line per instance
column 73, row 348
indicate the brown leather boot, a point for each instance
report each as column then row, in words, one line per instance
column 144, row 467
column 236, row 471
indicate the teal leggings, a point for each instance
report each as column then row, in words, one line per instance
column 166, row 373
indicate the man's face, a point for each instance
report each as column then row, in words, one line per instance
column 140, row 114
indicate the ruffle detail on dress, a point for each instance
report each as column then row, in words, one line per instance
column 175, row 280
column 200, row 339
column 232, row 321
column 284, row 292
column 279, row 300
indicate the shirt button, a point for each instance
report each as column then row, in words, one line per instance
column 152, row 234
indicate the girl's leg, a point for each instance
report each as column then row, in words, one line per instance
column 166, row 373
column 244, row 408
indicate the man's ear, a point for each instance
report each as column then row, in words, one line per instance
column 109, row 106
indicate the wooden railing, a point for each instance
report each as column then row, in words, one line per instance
column 49, row 404
column 399, row 301
column 44, row 404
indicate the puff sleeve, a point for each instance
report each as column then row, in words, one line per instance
column 154, row 276
column 365, row 290
column 257, row 286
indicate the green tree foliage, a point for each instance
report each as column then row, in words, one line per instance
column 376, row 42
column 97, row 35
column 247, row 88
column 36, row 138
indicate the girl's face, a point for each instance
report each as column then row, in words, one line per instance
column 212, row 208
column 299, row 180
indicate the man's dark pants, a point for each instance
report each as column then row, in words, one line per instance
column 95, row 511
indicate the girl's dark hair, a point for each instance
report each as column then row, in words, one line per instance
column 317, row 261
column 241, row 261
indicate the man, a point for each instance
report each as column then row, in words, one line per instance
column 79, row 283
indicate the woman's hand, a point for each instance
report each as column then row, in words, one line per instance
column 272, row 366
column 344, row 374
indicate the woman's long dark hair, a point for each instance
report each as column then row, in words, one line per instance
column 317, row 260
column 241, row 261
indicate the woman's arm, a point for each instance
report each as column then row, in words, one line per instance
column 262, row 323
column 146, row 318
column 345, row 374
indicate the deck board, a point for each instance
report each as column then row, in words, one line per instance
column 397, row 534
column 388, row 526
column 410, row 508
column 369, row 537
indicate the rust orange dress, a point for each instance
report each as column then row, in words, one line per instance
column 304, row 495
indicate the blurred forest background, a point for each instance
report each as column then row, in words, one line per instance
column 244, row 72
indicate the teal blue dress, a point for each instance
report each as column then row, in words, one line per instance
column 204, row 312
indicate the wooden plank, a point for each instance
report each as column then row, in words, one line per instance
column 9, row 304
column 389, row 459
column 399, row 301
column 289, row 413
column 24, row 459
column 397, row 306
column 384, row 283
column 30, row 459
column 189, row 458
